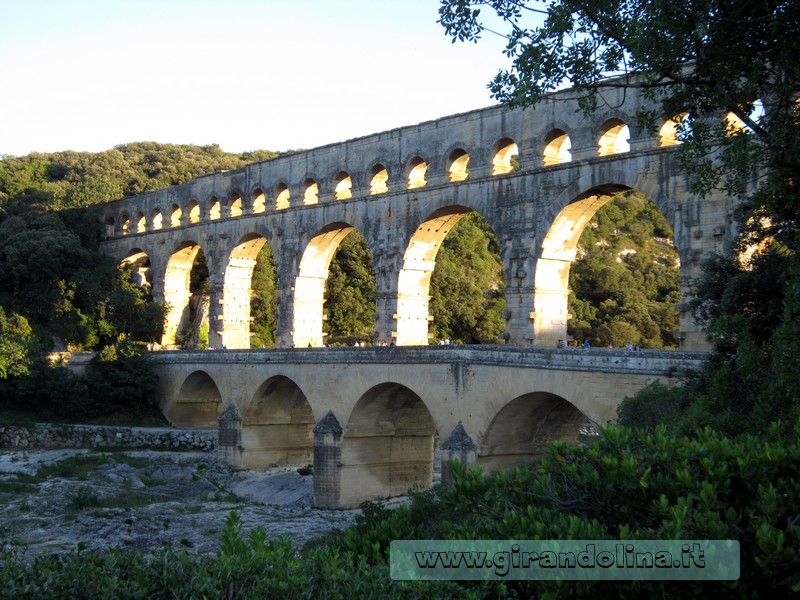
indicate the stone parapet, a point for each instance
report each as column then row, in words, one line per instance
column 47, row 435
column 655, row 362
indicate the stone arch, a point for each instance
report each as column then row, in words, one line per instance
column 309, row 287
column 416, row 172
column 505, row 156
column 214, row 208
column 557, row 148
column 378, row 179
column 310, row 192
column 176, row 288
column 387, row 447
column 258, row 201
column 198, row 403
column 414, row 278
column 277, row 426
column 235, row 208
column 457, row 165
column 194, row 211
column 156, row 220
column 282, row 196
column 141, row 222
column 343, row 186
column 236, row 291
column 558, row 251
column 124, row 224
column 613, row 137
column 524, row 427
column 175, row 215
column 138, row 262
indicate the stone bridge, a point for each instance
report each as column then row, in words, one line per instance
column 372, row 419
column 536, row 175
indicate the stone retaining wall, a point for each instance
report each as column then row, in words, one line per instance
column 45, row 435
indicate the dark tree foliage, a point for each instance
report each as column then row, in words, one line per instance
column 349, row 307
column 624, row 283
column 706, row 59
column 58, row 180
column 263, row 300
column 467, row 284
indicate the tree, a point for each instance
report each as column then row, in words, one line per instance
column 350, row 293
column 707, row 59
column 467, row 285
column 15, row 333
column 624, row 283
column 263, row 300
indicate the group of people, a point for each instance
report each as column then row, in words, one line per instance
column 630, row 346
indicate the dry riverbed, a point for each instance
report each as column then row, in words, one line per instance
column 54, row 500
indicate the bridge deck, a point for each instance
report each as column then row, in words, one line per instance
column 653, row 362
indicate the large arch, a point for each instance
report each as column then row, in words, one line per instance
column 414, row 279
column 176, row 289
column 277, row 426
column 558, row 251
column 198, row 403
column 525, row 426
column 309, row 287
column 551, row 280
column 236, row 294
column 387, row 448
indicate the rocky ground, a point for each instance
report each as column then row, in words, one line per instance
column 54, row 500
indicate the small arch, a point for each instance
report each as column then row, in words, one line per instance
column 378, row 180
column 259, row 201
column 141, row 223
column 235, row 206
column 524, row 427
column 457, row 165
column 175, row 216
column 344, row 186
column 557, row 148
column 417, row 169
column 214, row 209
column 505, row 158
column 194, row 211
column 668, row 134
column 387, row 448
column 613, row 138
column 282, row 196
column 157, row 220
column 310, row 192
column 111, row 227
column 198, row 403
column 125, row 224
column 277, row 426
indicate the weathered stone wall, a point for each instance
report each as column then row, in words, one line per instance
column 46, row 435
column 536, row 208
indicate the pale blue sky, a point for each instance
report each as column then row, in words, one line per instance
column 245, row 74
